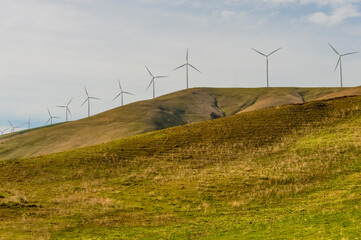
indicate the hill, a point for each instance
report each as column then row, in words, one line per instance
column 174, row 109
column 290, row 172
column 347, row 92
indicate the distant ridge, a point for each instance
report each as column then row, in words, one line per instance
column 347, row 92
column 179, row 108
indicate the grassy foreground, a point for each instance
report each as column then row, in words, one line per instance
column 292, row 172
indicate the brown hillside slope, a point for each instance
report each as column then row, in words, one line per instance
column 174, row 109
column 294, row 168
column 347, row 92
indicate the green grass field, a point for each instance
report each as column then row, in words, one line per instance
column 179, row 108
column 290, row 172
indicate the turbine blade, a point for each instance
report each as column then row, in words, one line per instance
column 259, row 52
column 84, row 102
column 120, row 86
column 86, row 91
column 61, row 106
column 116, row 96
column 334, row 49
column 95, row 98
column 67, row 109
column 10, row 124
column 161, row 76
column 47, row 121
column 49, row 112
column 338, row 62
column 274, row 51
column 149, row 71
column 194, row 68
column 349, row 53
column 179, row 67
column 150, row 83
column 69, row 101
column 187, row 55
column 128, row 93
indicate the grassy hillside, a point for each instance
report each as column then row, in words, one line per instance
column 347, row 92
column 291, row 172
column 175, row 109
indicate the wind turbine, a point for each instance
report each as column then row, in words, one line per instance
column 51, row 117
column 88, row 100
column 187, row 64
column 13, row 127
column 121, row 93
column 339, row 62
column 2, row 131
column 153, row 81
column 265, row 55
column 67, row 110
column 28, row 123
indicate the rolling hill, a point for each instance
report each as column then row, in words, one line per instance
column 174, row 109
column 289, row 172
column 347, row 92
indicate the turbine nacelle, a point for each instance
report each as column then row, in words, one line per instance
column 88, row 100
column 13, row 127
column 67, row 110
column 153, row 80
column 339, row 61
column 186, row 65
column 121, row 93
column 51, row 117
column 267, row 55
column 2, row 131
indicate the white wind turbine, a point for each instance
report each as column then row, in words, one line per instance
column 265, row 55
column 121, row 93
column 2, row 131
column 187, row 64
column 67, row 110
column 153, row 81
column 339, row 62
column 13, row 127
column 51, row 117
column 28, row 123
column 88, row 100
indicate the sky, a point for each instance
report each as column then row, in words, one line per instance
column 51, row 49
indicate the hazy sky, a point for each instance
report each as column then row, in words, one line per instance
column 50, row 49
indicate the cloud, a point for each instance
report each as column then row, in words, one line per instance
column 337, row 16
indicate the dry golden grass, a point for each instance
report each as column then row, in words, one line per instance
column 293, row 170
column 347, row 92
column 175, row 109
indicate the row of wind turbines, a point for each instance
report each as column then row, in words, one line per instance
column 187, row 65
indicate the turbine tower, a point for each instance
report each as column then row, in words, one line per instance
column 187, row 64
column 121, row 93
column 2, row 131
column 265, row 55
column 13, row 127
column 153, row 81
column 339, row 62
column 88, row 100
column 28, row 123
column 67, row 110
column 51, row 117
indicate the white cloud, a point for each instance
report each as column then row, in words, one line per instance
column 50, row 49
column 337, row 16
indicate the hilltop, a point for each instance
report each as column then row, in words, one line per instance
column 347, row 92
column 287, row 172
column 179, row 108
